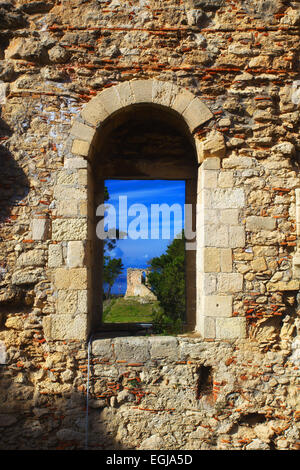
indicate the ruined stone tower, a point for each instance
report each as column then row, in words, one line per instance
column 135, row 285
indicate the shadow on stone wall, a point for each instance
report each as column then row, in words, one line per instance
column 30, row 420
column 14, row 185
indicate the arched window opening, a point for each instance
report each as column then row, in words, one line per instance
column 142, row 143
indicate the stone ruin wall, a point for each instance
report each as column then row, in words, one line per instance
column 135, row 286
column 238, row 391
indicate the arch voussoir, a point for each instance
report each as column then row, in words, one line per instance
column 153, row 91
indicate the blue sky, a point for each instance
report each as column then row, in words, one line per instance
column 136, row 253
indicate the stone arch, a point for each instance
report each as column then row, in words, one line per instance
column 72, row 229
column 137, row 92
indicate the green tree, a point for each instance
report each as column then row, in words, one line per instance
column 111, row 270
column 167, row 280
column 112, row 267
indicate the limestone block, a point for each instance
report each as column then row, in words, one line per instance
column 80, row 147
column 27, row 276
column 65, row 327
column 66, row 177
column 237, row 237
column 83, row 208
column 82, row 299
column 209, row 179
column 227, row 198
column 64, row 193
column 196, row 114
column 162, row 347
column 69, row 229
column 66, row 302
column 40, row 229
column 82, row 131
column 225, row 179
column 212, row 146
column 3, row 92
column 95, row 111
column 83, row 177
column 256, row 223
column 259, row 264
column 75, row 278
column 109, row 99
column 67, row 208
column 126, row 94
column 230, row 328
column 102, row 348
column 230, row 282
column 2, row 353
column 212, row 163
column 283, row 286
column 217, row 305
column 211, row 260
column 132, row 349
column 208, row 284
column 296, row 259
column 31, row 258
column 226, row 260
column 75, row 163
column 209, row 216
column 215, row 236
column 163, row 92
column 207, row 327
column 235, row 161
column 229, row 216
column 205, row 199
column 75, row 254
column 142, row 90
column 182, row 100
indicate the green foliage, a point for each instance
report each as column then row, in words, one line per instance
column 111, row 270
column 112, row 267
column 129, row 310
column 167, row 280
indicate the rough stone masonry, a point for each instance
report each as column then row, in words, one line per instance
column 220, row 78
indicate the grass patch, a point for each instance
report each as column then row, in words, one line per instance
column 129, row 310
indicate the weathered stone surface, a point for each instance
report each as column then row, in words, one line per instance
column 230, row 282
column 230, row 328
column 218, row 305
column 228, row 198
column 82, row 131
column 40, row 229
column 69, row 229
column 162, row 347
column 27, row 276
column 55, row 257
column 102, row 348
column 257, row 223
column 85, row 62
column 3, row 354
column 58, row 54
column 66, row 302
column 80, row 147
column 31, row 258
column 65, row 327
column 75, row 278
column 76, row 254
column 213, row 146
column 26, row 48
column 134, row 350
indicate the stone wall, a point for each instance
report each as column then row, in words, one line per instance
column 135, row 286
column 227, row 73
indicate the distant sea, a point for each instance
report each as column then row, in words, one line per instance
column 119, row 286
